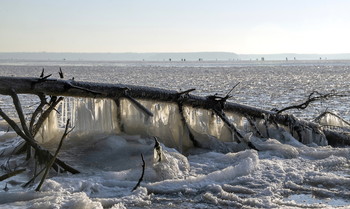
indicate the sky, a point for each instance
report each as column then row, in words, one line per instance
column 240, row 26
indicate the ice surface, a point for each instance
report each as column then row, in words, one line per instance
column 285, row 173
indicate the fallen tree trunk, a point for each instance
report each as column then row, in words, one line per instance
column 57, row 87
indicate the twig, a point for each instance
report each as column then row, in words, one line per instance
column 313, row 97
column 42, row 73
column 186, row 91
column 143, row 172
column 228, row 93
column 53, row 103
column 253, row 125
column 232, row 127
column 34, row 177
column 5, row 188
column 39, row 109
column 119, row 115
column 139, row 105
column 19, row 110
column 61, row 73
column 158, row 149
column 331, row 113
column 13, row 173
column 42, row 79
column 52, row 160
column 184, row 122
column 13, row 125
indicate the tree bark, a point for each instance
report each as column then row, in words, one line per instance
column 56, row 87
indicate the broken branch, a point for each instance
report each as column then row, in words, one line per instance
column 313, row 97
column 53, row 158
column 143, row 172
column 13, row 173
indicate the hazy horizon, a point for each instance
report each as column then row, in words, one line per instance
column 165, row 56
column 244, row 27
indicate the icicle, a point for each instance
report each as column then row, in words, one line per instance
column 203, row 121
column 166, row 123
column 94, row 116
column 330, row 119
column 63, row 109
column 49, row 129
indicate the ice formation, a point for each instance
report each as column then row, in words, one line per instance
column 100, row 116
column 284, row 173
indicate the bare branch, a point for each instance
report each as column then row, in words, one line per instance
column 186, row 91
column 13, row 125
column 19, row 110
column 13, row 173
column 53, row 158
column 139, row 105
column 228, row 93
column 143, row 172
column 53, row 103
column 158, row 149
column 38, row 110
column 313, row 97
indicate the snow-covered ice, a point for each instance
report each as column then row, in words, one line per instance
column 283, row 174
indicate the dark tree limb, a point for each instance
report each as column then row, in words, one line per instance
column 64, row 88
column 253, row 125
column 229, row 92
column 318, row 118
column 42, row 73
column 53, row 158
column 184, row 122
column 61, row 73
column 37, row 111
column 70, row 85
column 29, row 139
column 43, row 78
column 142, row 174
column 119, row 115
column 13, row 173
column 182, row 96
column 13, row 125
column 139, row 105
column 158, row 149
column 34, row 177
column 313, row 97
column 19, row 110
column 230, row 125
column 186, row 91
column 53, row 103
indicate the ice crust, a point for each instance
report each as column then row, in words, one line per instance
column 210, row 176
column 220, row 174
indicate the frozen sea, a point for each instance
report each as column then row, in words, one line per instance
column 284, row 174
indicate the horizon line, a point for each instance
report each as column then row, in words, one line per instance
column 165, row 52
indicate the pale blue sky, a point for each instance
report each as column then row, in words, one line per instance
column 241, row 26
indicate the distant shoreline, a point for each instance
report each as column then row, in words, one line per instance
column 166, row 56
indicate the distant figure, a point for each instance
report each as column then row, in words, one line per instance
column 169, row 59
column 286, row 58
column 295, row 58
column 262, row 59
